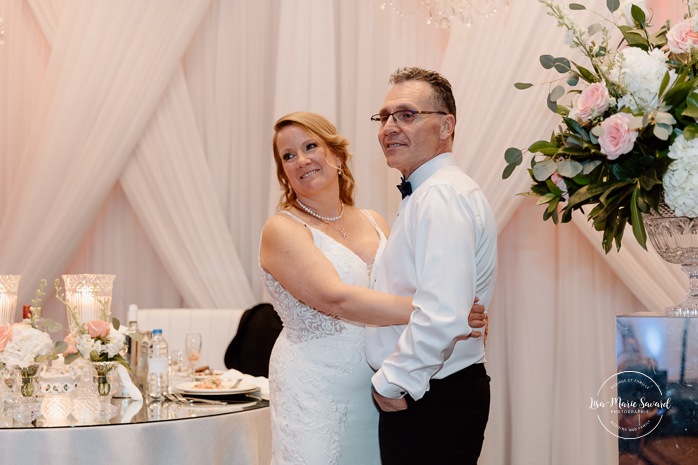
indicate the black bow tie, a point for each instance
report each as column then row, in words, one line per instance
column 404, row 187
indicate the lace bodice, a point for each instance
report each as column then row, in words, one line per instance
column 322, row 412
column 302, row 322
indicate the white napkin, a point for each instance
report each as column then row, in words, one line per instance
column 260, row 381
column 133, row 392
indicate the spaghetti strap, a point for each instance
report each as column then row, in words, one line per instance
column 291, row 215
column 373, row 222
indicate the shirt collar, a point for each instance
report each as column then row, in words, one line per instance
column 425, row 171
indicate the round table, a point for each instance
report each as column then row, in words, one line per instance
column 146, row 432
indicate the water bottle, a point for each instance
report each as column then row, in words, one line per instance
column 158, row 367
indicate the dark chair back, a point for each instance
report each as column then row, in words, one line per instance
column 250, row 349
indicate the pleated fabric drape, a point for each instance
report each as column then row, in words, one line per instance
column 135, row 139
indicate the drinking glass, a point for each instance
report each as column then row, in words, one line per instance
column 192, row 346
column 177, row 363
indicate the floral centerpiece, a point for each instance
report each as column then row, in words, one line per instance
column 98, row 341
column 629, row 137
column 24, row 347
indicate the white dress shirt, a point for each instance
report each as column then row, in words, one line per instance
column 442, row 252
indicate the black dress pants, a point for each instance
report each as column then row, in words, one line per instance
column 446, row 426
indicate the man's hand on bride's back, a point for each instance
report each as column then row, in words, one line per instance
column 476, row 319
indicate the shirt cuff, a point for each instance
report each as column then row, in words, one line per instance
column 386, row 389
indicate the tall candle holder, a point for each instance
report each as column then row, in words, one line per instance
column 88, row 297
column 9, row 283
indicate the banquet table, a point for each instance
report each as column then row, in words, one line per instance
column 146, row 432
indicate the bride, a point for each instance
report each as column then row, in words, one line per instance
column 316, row 256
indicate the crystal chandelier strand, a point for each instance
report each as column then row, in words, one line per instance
column 444, row 13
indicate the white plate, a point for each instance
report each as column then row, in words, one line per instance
column 227, row 388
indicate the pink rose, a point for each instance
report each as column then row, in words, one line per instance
column 592, row 102
column 5, row 335
column 72, row 349
column 617, row 138
column 682, row 38
column 560, row 182
column 97, row 328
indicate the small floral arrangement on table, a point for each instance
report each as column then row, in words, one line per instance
column 630, row 137
column 95, row 340
column 26, row 344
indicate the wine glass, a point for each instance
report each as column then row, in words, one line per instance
column 192, row 346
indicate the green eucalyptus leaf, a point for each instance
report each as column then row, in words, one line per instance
column 551, row 105
column 569, row 168
column 572, row 79
column 60, row 346
column 513, row 155
column 547, row 61
column 544, row 169
column 613, row 5
column 594, row 29
column 589, row 166
column 70, row 358
column 562, row 65
column 557, row 93
column 508, row 170
column 115, row 322
column 577, row 6
column 523, row 85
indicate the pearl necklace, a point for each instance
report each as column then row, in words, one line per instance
column 326, row 219
column 312, row 212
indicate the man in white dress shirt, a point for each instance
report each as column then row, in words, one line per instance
column 432, row 389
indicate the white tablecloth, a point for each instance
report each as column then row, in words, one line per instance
column 240, row 438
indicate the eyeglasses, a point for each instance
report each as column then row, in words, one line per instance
column 402, row 116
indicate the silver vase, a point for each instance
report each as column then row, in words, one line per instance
column 675, row 238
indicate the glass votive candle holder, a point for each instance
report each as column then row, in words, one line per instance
column 56, row 407
column 86, row 406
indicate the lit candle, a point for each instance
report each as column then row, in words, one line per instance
column 5, row 308
column 88, row 310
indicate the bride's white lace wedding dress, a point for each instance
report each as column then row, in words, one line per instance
column 322, row 411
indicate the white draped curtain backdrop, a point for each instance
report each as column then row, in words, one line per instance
column 135, row 139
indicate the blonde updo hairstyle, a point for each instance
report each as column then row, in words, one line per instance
column 319, row 127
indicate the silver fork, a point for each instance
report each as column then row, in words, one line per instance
column 180, row 398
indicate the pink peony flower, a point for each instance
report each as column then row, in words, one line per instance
column 72, row 349
column 5, row 336
column 682, row 38
column 617, row 138
column 97, row 328
column 592, row 102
